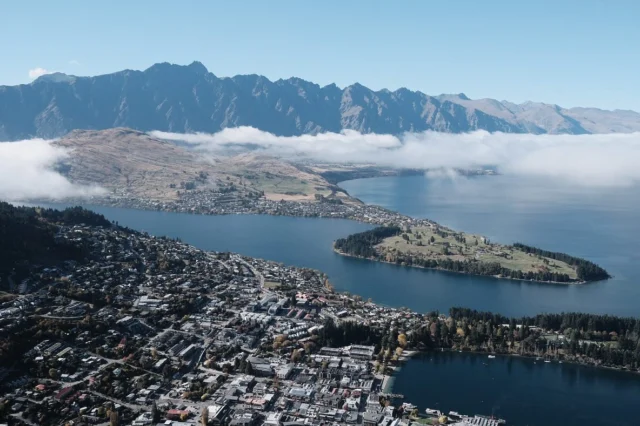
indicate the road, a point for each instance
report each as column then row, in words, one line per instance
column 134, row 407
column 74, row 318
column 250, row 266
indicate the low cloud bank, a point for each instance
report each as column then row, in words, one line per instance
column 38, row 72
column 27, row 172
column 590, row 160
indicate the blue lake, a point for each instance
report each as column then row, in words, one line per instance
column 519, row 390
column 599, row 224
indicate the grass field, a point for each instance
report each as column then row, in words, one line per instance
column 285, row 184
column 439, row 243
column 272, row 285
column 292, row 186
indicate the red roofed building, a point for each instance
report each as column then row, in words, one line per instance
column 63, row 393
column 122, row 343
column 176, row 414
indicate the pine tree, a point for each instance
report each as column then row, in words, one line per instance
column 155, row 414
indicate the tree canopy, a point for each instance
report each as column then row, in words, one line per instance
column 28, row 237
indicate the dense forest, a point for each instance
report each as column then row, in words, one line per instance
column 348, row 333
column 586, row 338
column 587, row 271
column 28, row 237
column 573, row 320
column 363, row 245
column 578, row 337
column 72, row 216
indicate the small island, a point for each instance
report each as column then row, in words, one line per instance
column 433, row 246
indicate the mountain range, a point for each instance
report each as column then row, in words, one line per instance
column 189, row 98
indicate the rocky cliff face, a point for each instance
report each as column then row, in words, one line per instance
column 190, row 99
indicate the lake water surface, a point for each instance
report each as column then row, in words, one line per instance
column 519, row 390
column 601, row 225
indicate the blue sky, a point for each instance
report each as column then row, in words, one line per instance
column 569, row 52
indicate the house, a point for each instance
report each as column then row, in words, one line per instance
column 63, row 393
column 243, row 381
column 260, row 388
column 361, row 352
column 352, row 417
column 302, row 394
column 187, row 351
column 329, row 400
column 370, row 418
column 176, row 414
column 284, row 372
column 330, row 351
column 216, row 414
column 260, row 367
column 246, row 419
column 273, row 419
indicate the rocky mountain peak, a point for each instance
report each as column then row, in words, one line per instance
column 188, row 98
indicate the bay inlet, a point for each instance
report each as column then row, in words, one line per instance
column 599, row 226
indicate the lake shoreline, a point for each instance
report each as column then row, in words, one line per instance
column 370, row 214
column 390, row 379
column 504, row 278
column 517, row 389
column 571, row 283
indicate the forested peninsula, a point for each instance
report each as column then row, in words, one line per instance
column 436, row 247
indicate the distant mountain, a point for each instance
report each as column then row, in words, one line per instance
column 134, row 164
column 536, row 117
column 190, row 99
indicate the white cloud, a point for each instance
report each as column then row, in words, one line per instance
column 37, row 72
column 591, row 160
column 27, row 172
column 74, row 62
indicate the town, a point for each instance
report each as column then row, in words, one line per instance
column 216, row 202
column 149, row 331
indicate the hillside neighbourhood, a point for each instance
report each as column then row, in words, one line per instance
column 148, row 331
column 141, row 330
